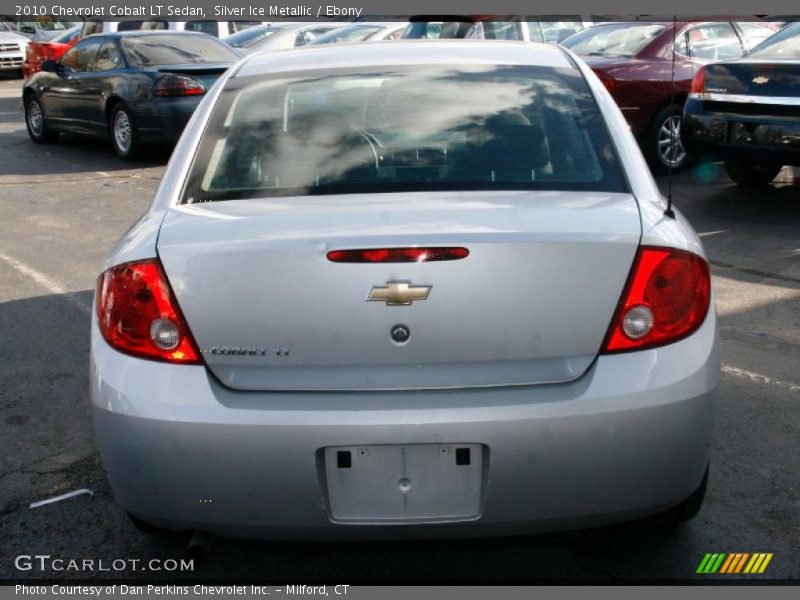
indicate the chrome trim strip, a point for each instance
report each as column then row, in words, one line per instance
column 747, row 99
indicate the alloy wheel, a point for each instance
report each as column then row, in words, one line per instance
column 670, row 148
column 35, row 118
column 123, row 132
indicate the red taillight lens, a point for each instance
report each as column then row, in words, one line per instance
column 178, row 85
column 138, row 315
column 608, row 81
column 699, row 82
column 397, row 255
column 666, row 299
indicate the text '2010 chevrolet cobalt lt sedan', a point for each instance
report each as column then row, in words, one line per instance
column 414, row 289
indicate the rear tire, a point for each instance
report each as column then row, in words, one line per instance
column 685, row 511
column 662, row 144
column 751, row 174
column 124, row 133
column 36, row 123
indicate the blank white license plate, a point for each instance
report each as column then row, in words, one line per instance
column 415, row 482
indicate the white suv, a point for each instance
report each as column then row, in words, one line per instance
column 12, row 49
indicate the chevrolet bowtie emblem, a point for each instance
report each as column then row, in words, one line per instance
column 398, row 293
column 760, row 80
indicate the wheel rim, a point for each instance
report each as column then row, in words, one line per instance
column 123, row 133
column 670, row 147
column 35, row 118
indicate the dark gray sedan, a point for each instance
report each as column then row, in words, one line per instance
column 135, row 87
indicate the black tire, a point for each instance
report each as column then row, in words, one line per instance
column 751, row 174
column 685, row 511
column 36, row 123
column 656, row 142
column 126, row 145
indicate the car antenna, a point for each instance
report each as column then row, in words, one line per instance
column 669, row 212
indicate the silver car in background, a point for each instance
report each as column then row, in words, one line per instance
column 278, row 36
column 363, row 31
column 12, row 49
column 405, row 290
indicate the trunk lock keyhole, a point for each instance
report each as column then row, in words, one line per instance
column 400, row 334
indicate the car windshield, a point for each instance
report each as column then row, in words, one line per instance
column 620, row 39
column 404, row 129
column 354, row 33
column 249, row 37
column 174, row 49
column 784, row 44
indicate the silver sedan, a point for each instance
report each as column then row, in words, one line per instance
column 278, row 36
column 413, row 289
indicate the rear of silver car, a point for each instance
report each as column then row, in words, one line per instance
column 390, row 326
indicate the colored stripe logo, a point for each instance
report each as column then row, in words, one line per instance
column 734, row 563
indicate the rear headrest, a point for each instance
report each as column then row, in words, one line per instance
column 509, row 141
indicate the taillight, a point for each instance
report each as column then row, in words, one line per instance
column 666, row 299
column 397, row 255
column 178, row 85
column 699, row 82
column 138, row 314
column 608, row 81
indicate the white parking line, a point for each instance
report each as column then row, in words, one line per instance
column 757, row 377
column 44, row 281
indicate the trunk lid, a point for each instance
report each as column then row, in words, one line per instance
column 753, row 78
column 530, row 304
column 205, row 73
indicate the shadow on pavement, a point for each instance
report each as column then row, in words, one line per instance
column 70, row 154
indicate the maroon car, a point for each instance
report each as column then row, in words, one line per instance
column 634, row 61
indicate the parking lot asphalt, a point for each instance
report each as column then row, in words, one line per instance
column 64, row 205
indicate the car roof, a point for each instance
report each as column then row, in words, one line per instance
column 405, row 52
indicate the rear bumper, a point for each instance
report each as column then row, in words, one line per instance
column 162, row 120
column 629, row 438
column 744, row 137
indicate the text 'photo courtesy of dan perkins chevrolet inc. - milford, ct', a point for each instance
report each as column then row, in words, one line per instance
column 176, row 10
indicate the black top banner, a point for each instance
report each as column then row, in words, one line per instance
column 245, row 10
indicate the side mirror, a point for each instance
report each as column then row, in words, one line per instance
column 27, row 29
column 50, row 66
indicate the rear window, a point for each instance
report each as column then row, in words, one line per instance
column 432, row 128
column 356, row 33
column 620, row 40
column 783, row 45
column 176, row 49
column 250, row 37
